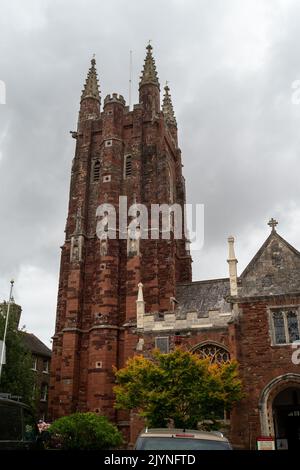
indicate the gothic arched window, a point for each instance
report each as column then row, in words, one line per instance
column 214, row 351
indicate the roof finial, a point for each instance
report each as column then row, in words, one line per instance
column 140, row 297
column 272, row 223
column 167, row 107
column 149, row 73
column 232, row 262
column 140, row 307
column 91, row 87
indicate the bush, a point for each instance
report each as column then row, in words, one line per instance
column 84, row 431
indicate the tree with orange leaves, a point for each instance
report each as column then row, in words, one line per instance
column 179, row 387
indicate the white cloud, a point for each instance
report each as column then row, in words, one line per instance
column 230, row 66
column 36, row 292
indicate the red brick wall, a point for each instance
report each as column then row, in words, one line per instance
column 260, row 362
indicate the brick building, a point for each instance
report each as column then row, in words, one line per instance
column 41, row 359
column 122, row 295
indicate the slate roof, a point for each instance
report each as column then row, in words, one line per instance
column 202, row 296
column 35, row 345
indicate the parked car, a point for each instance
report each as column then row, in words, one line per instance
column 178, row 439
column 18, row 427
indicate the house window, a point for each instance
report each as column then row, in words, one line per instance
column 162, row 343
column 46, row 366
column 286, row 326
column 96, row 173
column 128, row 166
column 44, row 392
column 34, row 363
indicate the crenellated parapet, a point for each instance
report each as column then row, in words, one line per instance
column 177, row 321
column 114, row 98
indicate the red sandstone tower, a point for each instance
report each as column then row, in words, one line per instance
column 119, row 152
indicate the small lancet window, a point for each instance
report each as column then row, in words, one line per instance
column 162, row 343
column 128, row 166
column 96, row 174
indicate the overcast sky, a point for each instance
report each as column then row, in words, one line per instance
column 230, row 65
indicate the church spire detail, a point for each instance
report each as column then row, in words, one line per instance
column 91, row 86
column 149, row 73
column 167, row 107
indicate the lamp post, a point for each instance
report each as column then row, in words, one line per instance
column 6, row 324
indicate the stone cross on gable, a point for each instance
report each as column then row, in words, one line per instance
column 272, row 223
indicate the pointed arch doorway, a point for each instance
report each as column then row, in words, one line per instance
column 280, row 411
column 286, row 415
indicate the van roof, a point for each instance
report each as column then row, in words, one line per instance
column 10, row 402
column 175, row 432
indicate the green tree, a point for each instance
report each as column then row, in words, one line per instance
column 85, row 431
column 178, row 386
column 17, row 377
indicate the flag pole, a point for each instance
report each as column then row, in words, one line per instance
column 130, row 77
column 6, row 324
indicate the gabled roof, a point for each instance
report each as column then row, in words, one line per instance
column 274, row 270
column 273, row 235
column 35, row 345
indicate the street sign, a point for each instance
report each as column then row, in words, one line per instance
column 265, row 443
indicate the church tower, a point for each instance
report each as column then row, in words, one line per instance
column 119, row 152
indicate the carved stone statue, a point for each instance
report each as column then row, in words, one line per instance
column 133, row 241
column 76, row 249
